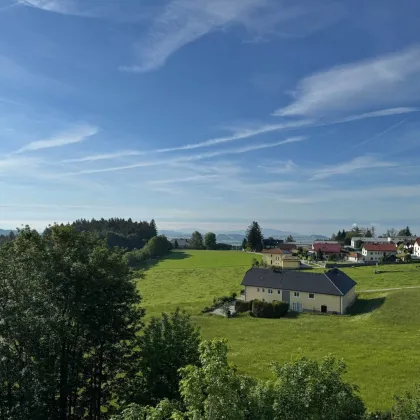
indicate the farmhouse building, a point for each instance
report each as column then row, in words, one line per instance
column 374, row 252
column 329, row 292
column 355, row 257
column 327, row 249
column 416, row 248
column 280, row 258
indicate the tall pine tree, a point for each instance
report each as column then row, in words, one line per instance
column 254, row 237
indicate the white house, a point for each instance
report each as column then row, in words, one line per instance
column 374, row 252
column 355, row 240
column 416, row 248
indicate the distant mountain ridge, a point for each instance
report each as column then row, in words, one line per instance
column 237, row 236
column 5, row 231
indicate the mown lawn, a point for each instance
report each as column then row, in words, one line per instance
column 380, row 341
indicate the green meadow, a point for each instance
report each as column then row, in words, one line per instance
column 379, row 340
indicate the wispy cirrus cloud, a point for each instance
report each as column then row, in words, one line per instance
column 184, row 21
column 105, row 156
column 76, row 135
column 112, row 10
column 346, row 168
column 191, row 158
column 388, row 80
column 240, row 135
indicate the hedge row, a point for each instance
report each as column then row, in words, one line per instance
column 275, row 309
column 260, row 309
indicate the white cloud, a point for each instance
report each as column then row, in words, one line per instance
column 185, row 21
column 190, row 158
column 279, row 167
column 105, row 156
column 240, row 135
column 388, row 80
column 192, row 178
column 76, row 135
column 11, row 164
column 357, row 164
column 380, row 113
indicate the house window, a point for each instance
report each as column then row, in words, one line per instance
column 311, row 296
column 278, row 292
column 263, row 290
column 258, row 289
column 270, row 291
column 296, row 294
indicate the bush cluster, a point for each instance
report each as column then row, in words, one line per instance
column 218, row 302
column 242, row 306
column 275, row 309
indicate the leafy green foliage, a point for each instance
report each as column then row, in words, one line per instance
column 405, row 232
column 157, row 247
column 210, row 240
column 167, row 344
column 242, row 306
column 254, row 237
column 275, row 309
column 244, row 244
column 290, row 239
column 196, row 241
column 123, row 233
column 70, row 316
column 407, row 407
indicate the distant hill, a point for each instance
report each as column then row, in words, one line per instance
column 235, row 237
column 5, row 231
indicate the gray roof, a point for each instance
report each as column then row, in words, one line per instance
column 333, row 282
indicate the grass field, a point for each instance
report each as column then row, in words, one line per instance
column 380, row 341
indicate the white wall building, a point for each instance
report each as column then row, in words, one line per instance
column 374, row 252
column 416, row 248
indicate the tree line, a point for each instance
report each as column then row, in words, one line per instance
column 127, row 234
column 345, row 237
column 75, row 346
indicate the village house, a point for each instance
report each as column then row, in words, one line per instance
column 416, row 248
column 280, row 258
column 329, row 292
column 327, row 249
column 355, row 257
column 376, row 252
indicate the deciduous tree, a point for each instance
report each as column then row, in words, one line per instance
column 210, row 240
column 70, row 318
column 196, row 240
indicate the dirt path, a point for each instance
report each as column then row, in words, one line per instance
column 388, row 290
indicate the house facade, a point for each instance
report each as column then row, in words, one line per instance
column 329, row 292
column 375, row 252
column 355, row 257
column 327, row 249
column 416, row 248
column 280, row 258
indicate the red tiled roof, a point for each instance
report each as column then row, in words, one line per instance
column 380, row 247
column 418, row 241
column 328, row 248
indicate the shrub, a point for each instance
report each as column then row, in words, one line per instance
column 241, row 306
column 274, row 309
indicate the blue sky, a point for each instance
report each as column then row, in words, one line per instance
column 303, row 115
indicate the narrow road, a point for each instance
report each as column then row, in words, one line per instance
column 388, row 290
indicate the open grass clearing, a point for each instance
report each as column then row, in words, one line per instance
column 379, row 341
